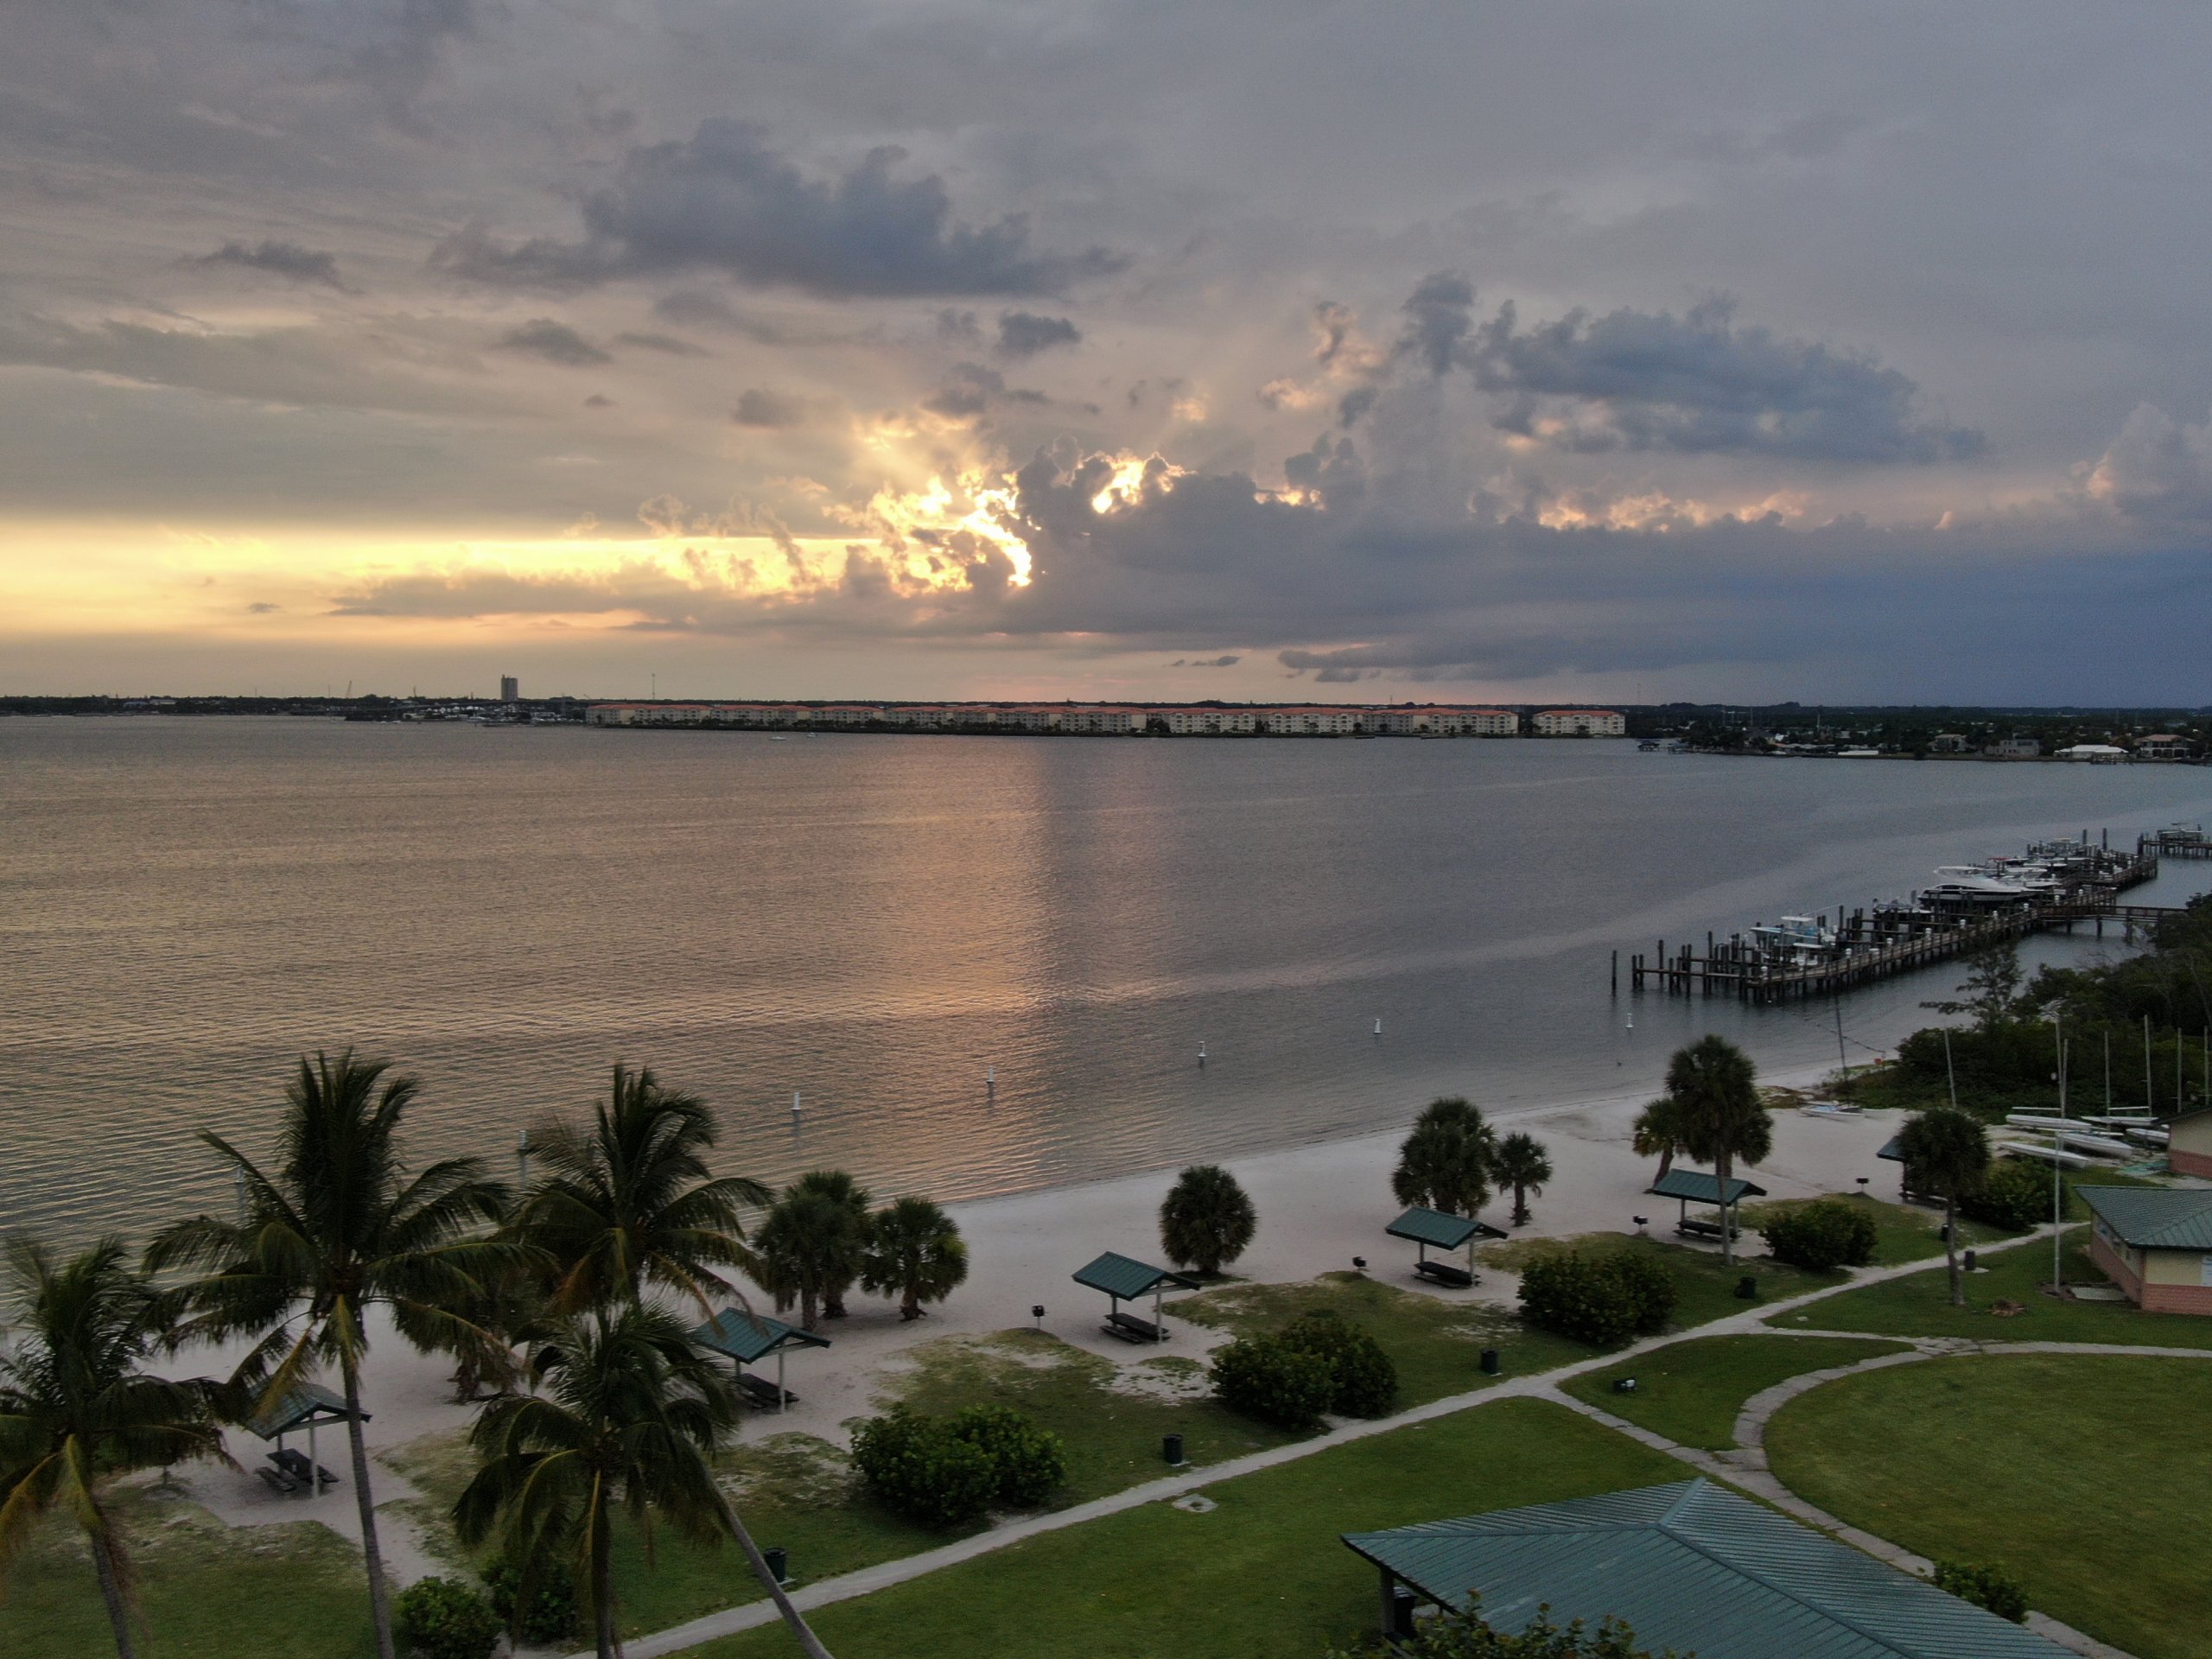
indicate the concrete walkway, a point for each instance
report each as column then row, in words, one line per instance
column 1543, row 1386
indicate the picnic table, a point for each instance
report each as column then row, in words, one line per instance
column 1130, row 1328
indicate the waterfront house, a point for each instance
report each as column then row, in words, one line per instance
column 2164, row 745
column 2155, row 1243
column 2095, row 754
column 2015, row 748
column 1948, row 743
column 1579, row 722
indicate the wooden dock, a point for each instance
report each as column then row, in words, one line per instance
column 1863, row 946
column 2181, row 843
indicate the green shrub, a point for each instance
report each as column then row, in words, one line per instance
column 1265, row 1377
column 1364, row 1381
column 542, row 1612
column 918, row 1468
column 1029, row 1460
column 1822, row 1235
column 1601, row 1297
column 2013, row 1195
column 1984, row 1587
column 1462, row 1634
column 440, row 1618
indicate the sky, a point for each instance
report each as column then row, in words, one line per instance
column 1107, row 348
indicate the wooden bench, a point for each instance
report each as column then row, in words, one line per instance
column 278, row 1482
column 1693, row 1228
column 1444, row 1273
column 759, row 1391
column 1130, row 1328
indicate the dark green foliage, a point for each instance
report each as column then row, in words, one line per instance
column 2012, row 1194
column 1465, row 1636
column 1265, row 1377
column 1948, row 1157
column 1992, row 991
column 1364, row 1381
column 1523, row 1164
column 1718, row 1113
column 1984, row 1587
column 1445, row 1164
column 1826, row 1234
column 541, row 1612
column 442, row 1618
column 813, row 1244
column 1029, row 1461
column 943, row 1471
column 1207, row 1220
column 1599, row 1297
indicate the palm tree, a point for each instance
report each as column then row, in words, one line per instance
column 1523, row 1165
column 1206, row 1220
column 840, row 1188
column 1444, row 1163
column 1714, row 1087
column 629, row 1203
column 623, row 1409
column 338, row 1228
column 807, row 1244
column 914, row 1251
column 1658, row 1133
column 1946, row 1152
column 75, row 1410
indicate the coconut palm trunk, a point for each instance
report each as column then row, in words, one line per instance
column 1723, row 1166
column 808, row 1642
column 372, row 1550
column 602, row 1579
column 111, row 1578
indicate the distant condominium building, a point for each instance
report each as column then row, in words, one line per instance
column 1205, row 722
column 1327, row 721
column 1579, row 722
column 1466, row 722
column 510, row 688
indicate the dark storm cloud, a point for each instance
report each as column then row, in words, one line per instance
column 668, row 345
column 286, row 260
column 1698, row 383
column 726, row 200
column 1228, row 659
column 555, row 342
column 769, row 410
column 1440, row 312
column 1023, row 334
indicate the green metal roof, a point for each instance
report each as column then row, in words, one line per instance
column 1893, row 1149
column 1693, row 1566
column 306, row 1402
column 1118, row 1275
column 747, row 1337
column 1447, row 1232
column 2154, row 1218
column 1702, row 1186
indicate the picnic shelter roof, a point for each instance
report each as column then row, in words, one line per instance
column 1692, row 1567
column 1122, row 1277
column 1893, row 1149
column 2154, row 1218
column 746, row 1336
column 1446, row 1231
column 1702, row 1186
column 306, row 1402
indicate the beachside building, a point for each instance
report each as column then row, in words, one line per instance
column 1948, row 743
column 2164, row 745
column 1101, row 722
column 1041, row 718
column 2155, row 1243
column 1579, row 722
column 1387, row 722
column 2189, row 1143
column 1323, row 721
column 2015, row 748
column 1205, row 722
column 2095, row 754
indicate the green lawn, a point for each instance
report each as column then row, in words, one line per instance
column 1706, row 1289
column 1260, row 1577
column 2084, row 1477
column 1902, row 1233
column 1692, row 1391
column 291, row 1592
column 1918, row 1305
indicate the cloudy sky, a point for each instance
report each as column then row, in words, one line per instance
column 1107, row 347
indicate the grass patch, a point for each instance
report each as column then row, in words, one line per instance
column 1919, row 1305
column 1706, row 1290
column 1111, row 1423
column 1902, row 1232
column 1692, row 1391
column 289, row 1592
column 1436, row 1345
column 2105, row 1524
column 1262, row 1575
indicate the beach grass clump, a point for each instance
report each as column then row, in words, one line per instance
column 1692, row 1392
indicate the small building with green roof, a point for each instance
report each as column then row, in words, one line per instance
column 2155, row 1243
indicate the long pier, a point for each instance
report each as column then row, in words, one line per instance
column 1861, row 946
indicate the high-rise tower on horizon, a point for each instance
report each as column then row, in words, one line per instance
column 510, row 688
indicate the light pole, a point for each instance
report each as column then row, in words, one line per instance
column 2057, row 1177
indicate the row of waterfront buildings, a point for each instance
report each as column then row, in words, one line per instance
column 1119, row 720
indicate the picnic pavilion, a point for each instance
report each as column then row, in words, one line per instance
column 1692, row 1568
column 305, row 1406
column 1703, row 1186
column 747, row 1338
column 1126, row 1279
column 1443, row 1231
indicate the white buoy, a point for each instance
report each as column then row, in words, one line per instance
column 990, row 1076
column 1202, row 1051
column 794, row 1105
column 1378, row 1027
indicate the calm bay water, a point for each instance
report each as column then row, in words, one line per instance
column 872, row 921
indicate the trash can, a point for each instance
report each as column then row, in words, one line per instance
column 1170, row 1447
column 779, row 1563
column 1403, row 1603
column 1969, row 1261
column 1747, row 1289
column 1491, row 1367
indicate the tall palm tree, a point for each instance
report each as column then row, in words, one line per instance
column 914, row 1252
column 1714, row 1087
column 1658, row 1134
column 807, row 1244
column 1523, row 1165
column 1946, row 1152
column 624, row 1411
column 629, row 1203
column 336, row 1228
column 1207, row 1219
column 75, row 1410
column 1445, row 1164
column 841, row 1188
